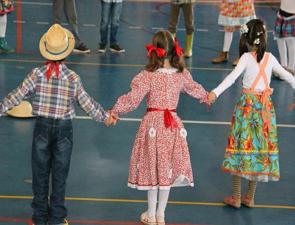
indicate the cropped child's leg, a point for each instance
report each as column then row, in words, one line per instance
column 163, row 199
column 291, row 53
column 235, row 199
column 149, row 217
column 248, row 200
column 228, row 37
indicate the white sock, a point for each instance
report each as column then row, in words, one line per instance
column 3, row 22
column 282, row 51
column 152, row 203
column 291, row 53
column 163, row 199
column 228, row 37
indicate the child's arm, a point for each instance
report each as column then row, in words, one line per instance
column 193, row 88
column 15, row 97
column 283, row 74
column 140, row 86
column 89, row 105
column 232, row 77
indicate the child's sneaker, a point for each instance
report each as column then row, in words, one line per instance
column 102, row 48
column 246, row 201
column 116, row 48
column 81, row 48
column 231, row 201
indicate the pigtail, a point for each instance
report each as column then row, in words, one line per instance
column 243, row 48
column 261, row 48
column 154, row 62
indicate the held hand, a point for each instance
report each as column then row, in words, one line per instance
column 211, row 97
column 291, row 106
column 112, row 119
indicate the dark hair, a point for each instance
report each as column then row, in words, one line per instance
column 256, row 36
column 164, row 40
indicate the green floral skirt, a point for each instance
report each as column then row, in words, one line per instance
column 252, row 149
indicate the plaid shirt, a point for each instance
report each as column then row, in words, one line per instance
column 54, row 98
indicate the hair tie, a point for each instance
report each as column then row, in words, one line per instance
column 244, row 29
column 161, row 53
column 178, row 49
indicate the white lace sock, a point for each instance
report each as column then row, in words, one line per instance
column 228, row 37
column 163, row 199
column 3, row 23
column 152, row 203
column 291, row 53
column 282, row 51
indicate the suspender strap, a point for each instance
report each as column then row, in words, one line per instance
column 261, row 72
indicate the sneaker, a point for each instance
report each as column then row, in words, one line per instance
column 4, row 47
column 102, row 48
column 81, row 48
column 116, row 48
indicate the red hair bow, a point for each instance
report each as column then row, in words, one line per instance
column 178, row 49
column 159, row 51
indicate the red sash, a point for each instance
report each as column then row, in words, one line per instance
column 169, row 120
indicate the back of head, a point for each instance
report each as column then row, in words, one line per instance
column 253, row 37
column 164, row 42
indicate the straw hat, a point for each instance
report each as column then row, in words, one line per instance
column 23, row 110
column 57, row 43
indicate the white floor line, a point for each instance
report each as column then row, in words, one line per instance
column 187, row 121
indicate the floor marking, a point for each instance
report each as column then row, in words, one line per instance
column 108, row 64
column 118, row 200
column 187, row 121
column 102, row 222
column 88, row 25
column 19, row 22
column 42, row 23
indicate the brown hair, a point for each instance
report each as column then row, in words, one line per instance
column 164, row 40
column 255, row 37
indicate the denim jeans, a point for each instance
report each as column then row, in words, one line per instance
column 110, row 15
column 51, row 156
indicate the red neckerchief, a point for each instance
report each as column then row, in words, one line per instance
column 51, row 65
column 159, row 51
column 178, row 49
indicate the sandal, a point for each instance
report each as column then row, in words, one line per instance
column 246, row 201
column 144, row 218
column 160, row 220
column 231, row 201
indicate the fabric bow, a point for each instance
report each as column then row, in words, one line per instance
column 169, row 121
column 159, row 51
column 178, row 49
column 50, row 67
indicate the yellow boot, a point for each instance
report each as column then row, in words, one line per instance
column 188, row 45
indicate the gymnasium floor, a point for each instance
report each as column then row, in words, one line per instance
column 97, row 186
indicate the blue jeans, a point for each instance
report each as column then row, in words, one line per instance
column 51, row 155
column 110, row 15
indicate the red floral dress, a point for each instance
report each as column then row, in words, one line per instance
column 160, row 156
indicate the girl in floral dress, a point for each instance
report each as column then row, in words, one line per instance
column 160, row 156
column 252, row 149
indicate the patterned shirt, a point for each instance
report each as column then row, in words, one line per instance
column 54, row 98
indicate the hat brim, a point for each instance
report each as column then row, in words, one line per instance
column 64, row 54
column 17, row 115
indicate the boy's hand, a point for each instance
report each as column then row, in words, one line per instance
column 211, row 97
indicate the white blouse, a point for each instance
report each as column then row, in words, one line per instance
column 288, row 6
column 250, row 67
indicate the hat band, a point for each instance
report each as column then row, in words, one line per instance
column 56, row 53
